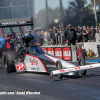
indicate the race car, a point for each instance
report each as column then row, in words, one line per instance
column 32, row 58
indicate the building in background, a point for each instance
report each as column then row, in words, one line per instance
column 12, row 9
column 44, row 12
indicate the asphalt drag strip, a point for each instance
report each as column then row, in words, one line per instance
column 24, row 86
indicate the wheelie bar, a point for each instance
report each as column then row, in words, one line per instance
column 62, row 71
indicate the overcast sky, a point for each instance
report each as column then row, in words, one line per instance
column 40, row 4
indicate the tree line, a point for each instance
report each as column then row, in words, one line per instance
column 78, row 13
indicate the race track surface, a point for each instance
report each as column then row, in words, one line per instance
column 75, row 88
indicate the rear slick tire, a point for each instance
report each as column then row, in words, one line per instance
column 81, row 62
column 8, row 61
column 58, row 67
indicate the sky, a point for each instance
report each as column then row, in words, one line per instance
column 40, row 4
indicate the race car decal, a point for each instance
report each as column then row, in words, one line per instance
column 85, row 67
column 58, row 53
column 65, row 64
column 20, row 66
column 33, row 63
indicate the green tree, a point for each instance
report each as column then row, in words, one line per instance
column 97, row 3
column 80, row 8
column 79, row 13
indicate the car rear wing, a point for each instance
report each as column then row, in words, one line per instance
column 80, row 68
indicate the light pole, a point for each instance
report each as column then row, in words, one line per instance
column 95, row 12
column 56, row 21
column 61, row 11
column 47, row 14
column 33, row 7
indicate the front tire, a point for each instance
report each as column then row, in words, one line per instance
column 58, row 67
column 8, row 61
column 81, row 62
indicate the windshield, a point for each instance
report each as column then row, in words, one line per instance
column 36, row 49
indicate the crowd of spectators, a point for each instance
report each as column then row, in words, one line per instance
column 53, row 36
column 68, row 36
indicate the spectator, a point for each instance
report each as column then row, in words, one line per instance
column 2, row 45
column 10, row 43
column 45, row 36
column 54, row 36
column 48, row 36
column 85, row 34
column 87, row 27
column 92, row 33
column 54, row 29
column 63, row 37
column 27, row 33
column 70, row 35
column 35, row 36
column 1, row 48
column 97, row 29
column 79, row 35
column 58, row 37
column 38, row 38
column 41, row 38
column 5, row 35
column 80, row 29
column 19, row 37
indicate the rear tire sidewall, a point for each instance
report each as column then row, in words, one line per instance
column 58, row 67
column 8, row 62
column 81, row 62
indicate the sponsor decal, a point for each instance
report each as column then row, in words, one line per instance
column 20, row 66
column 34, row 62
column 58, row 53
column 30, row 66
column 44, row 50
column 67, row 53
column 75, row 69
column 50, row 51
column 48, row 65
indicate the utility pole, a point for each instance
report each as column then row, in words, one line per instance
column 62, row 18
column 61, row 10
column 95, row 12
column 47, row 14
column 33, row 7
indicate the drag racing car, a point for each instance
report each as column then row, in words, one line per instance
column 32, row 58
